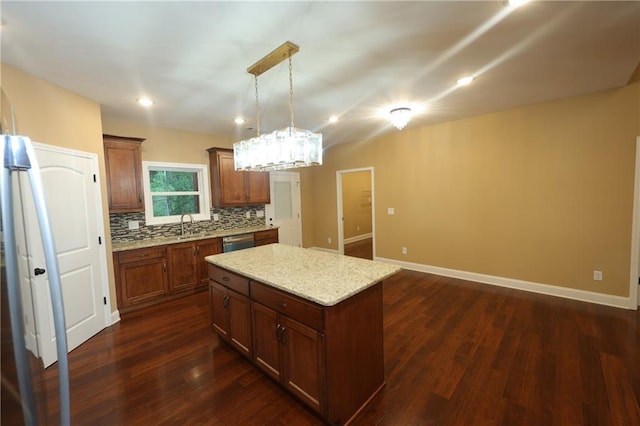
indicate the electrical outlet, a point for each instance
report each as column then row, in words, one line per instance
column 391, row 211
column 329, row 240
column 248, row 215
column 216, row 217
column 597, row 275
column 134, row 224
column 357, row 228
column 404, row 250
column 259, row 213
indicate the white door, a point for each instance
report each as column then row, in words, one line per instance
column 284, row 210
column 72, row 194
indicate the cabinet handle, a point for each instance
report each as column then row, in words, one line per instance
column 143, row 255
column 283, row 335
column 139, row 198
column 281, row 304
column 164, row 267
column 225, row 302
column 225, row 278
column 198, row 250
column 279, row 331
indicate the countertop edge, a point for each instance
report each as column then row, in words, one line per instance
column 160, row 241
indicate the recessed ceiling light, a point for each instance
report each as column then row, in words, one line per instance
column 239, row 120
column 465, row 80
column 145, row 102
column 333, row 119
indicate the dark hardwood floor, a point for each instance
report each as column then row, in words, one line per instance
column 362, row 249
column 456, row 353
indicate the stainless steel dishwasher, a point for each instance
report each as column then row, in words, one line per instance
column 237, row 242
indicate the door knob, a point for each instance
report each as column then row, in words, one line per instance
column 39, row 271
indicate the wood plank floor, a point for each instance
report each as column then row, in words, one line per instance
column 456, row 353
column 362, row 249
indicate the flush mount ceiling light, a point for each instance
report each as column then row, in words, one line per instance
column 400, row 117
column 145, row 102
column 285, row 148
column 239, row 120
column 464, row 81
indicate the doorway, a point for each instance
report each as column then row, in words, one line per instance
column 73, row 199
column 356, row 207
column 634, row 289
column 284, row 209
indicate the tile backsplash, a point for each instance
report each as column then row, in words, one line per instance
column 230, row 218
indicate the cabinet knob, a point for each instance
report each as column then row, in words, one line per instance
column 225, row 302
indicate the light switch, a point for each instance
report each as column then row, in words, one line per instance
column 248, row 215
column 259, row 213
column 391, row 211
column 216, row 217
column 134, row 224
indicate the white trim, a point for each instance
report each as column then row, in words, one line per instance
column 634, row 299
column 205, row 200
column 115, row 317
column 550, row 290
column 341, row 240
column 328, row 250
column 358, row 238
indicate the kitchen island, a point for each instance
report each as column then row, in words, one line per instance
column 310, row 320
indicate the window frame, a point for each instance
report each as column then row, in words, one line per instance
column 202, row 173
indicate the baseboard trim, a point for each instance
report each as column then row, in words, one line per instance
column 547, row 289
column 115, row 317
column 358, row 238
column 328, row 250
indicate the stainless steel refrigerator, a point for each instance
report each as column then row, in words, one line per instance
column 27, row 394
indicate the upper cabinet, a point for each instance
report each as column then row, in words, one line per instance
column 233, row 188
column 123, row 164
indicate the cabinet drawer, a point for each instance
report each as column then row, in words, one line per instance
column 141, row 254
column 229, row 279
column 270, row 235
column 291, row 306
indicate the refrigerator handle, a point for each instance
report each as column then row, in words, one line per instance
column 21, row 150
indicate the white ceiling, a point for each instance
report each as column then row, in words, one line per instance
column 356, row 59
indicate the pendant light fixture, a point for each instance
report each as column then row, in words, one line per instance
column 281, row 149
column 400, row 117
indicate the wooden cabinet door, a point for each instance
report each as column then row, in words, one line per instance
column 302, row 353
column 258, row 187
column 266, row 346
column 239, row 310
column 262, row 238
column 183, row 272
column 232, row 185
column 123, row 165
column 142, row 281
column 206, row 248
column 219, row 315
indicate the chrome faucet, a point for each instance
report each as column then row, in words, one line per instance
column 182, row 222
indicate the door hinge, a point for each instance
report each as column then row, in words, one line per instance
column 100, row 240
column 105, row 300
column 94, row 178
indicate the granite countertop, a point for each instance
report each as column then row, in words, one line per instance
column 321, row 277
column 160, row 241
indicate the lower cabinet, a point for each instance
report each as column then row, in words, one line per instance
column 289, row 352
column 141, row 275
column 231, row 317
column 151, row 275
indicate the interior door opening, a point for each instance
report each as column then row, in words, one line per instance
column 356, row 207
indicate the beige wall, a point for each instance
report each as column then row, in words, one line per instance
column 169, row 145
column 54, row 116
column 356, row 203
column 542, row 193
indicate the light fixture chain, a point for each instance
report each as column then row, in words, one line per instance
column 257, row 107
column 291, row 91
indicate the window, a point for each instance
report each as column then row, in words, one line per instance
column 172, row 189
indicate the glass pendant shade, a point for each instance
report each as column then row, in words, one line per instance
column 282, row 149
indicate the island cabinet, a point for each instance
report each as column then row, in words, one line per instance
column 230, row 309
column 330, row 358
column 123, row 166
column 288, row 343
column 235, row 188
